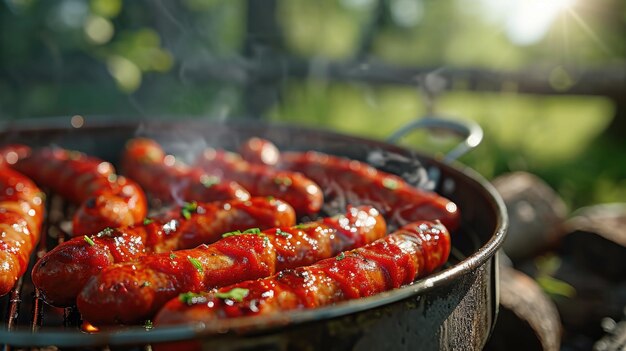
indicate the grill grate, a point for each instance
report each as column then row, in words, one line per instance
column 23, row 308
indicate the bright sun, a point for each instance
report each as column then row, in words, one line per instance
column 527, row 21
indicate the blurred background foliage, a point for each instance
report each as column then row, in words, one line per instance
column 192, row 58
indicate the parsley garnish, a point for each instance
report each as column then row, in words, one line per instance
column 209, row 181
column 105, row 232
column 190, row 298
column 88, row 240
column 301, row 226
column 282, row 233
column 172, row 256
column 340, row 257
column 188, row 209
column 147, row 221
column 148, row 325
column 233, row 233
column 145, row 284
column 286, row 181
column 391, row 183
column 256, row 231
column 236, row 294
column 195, row 263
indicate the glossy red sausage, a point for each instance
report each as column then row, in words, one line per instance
column 21, row 215
column 357, row 183
column 299, row 191
column 168, row 180
column 106, row 200
column 61, row 273
column 393, row 261
column 133, row 292
column 260, row 151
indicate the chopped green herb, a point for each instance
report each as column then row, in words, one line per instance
column 256, row 231
column 391, row 183
column 266, row 240
column 301, row 226
column 190, row 298
column 340, row 257
column 145, row 284
column 105, row 232
column 148, row 325
column 88, row 240
column 233, row 233
column 188, row 209
column 283, row 181
column 236, row 294
column 282, row 233
column 147, row 221
column 208, row 181
column 195, row 263
column 172, row 256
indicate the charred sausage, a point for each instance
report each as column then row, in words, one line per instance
column 21, row 215
column 168, row 180
column 299, row 191
column 106, row 200
column 132, row 292
column 393, row 261
column 358, row 183
column 61, row 273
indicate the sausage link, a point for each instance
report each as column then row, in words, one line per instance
column 132, row 292
column 167, row 180
column 358, row 183
column 21, row 215
column 62, row 272
column 395, row 260
column 260, row 151
column 106, row 200
column 299, row 191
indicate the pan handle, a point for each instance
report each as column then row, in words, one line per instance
column 470, row 131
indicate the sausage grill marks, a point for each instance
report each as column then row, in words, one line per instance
column 359, row 183
column 302, row 193
column 105, row 199
column 61, row 273
column 398, row 259
column 21, row 216
column 168, row 180
column 132, row 292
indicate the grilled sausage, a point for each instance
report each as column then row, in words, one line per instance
column 132, row 292
column 61, row 273
column 106, row 200
column 395, row 260
column 260, row 151
column 260, row 180
column 358, row 183
column 167, row 180
column 21, row 215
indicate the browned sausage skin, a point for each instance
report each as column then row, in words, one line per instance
column 299, row 191
column 21, row 215
column 61, row 273
column 168, row 180
column 106, row 200
column 132, row 292
column 395, row 260
column 358, row 183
